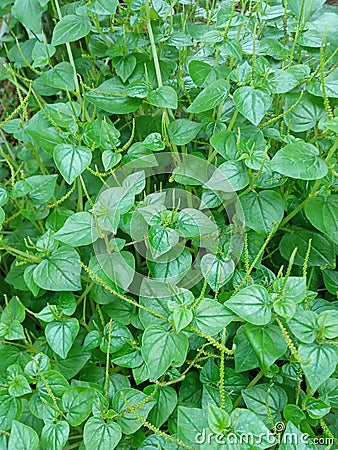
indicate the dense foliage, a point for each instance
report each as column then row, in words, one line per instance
column 168, row 203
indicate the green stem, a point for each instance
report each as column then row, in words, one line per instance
column 14, row 251
column 153, row 46
column 85, row 293
column 70, row 54
column 80, row 198
column 233, row 120
column 166, row 111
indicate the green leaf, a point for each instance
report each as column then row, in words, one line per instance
column 152, row 442
column 252, row 103
column 331, row 280
column 172, row 268
column 332, row 124
column 75, row 361
column 267, row 342
column 138, row 88
column 124, row 66
column 22, row 437
column 218, row 419
column 170, row 347
column 229, row 176
column 135, row 182
column 322, row 251
column 54, row 435
column 154, row 142
column 101, row 133
column 183, row 131
column 294, row 413
column 331, row 85
column 71, row 161
column 217, row 270
column 306, row 114
column 117, row 267
column 13, row 310
column 329, row 389
column 166, row 401
column 47, row 138
column 70, row 29
column 28, row 12
column 154, row 304
column 328, row 324
column 10, row 408
column 191, row 423
column 245, row 422
column 306, row 8
column 304, row 325
column 19, row 386
column 297, row 442
column 119, row 337
column 251, row 304
column 164, row 97
column 4, row 196
column 64, row 114
column 110, row 159
column 47, row 314
column 284, row 307
column 225, row 144
column 39, row 362
column 60, row 77
column 60, row 271
column 103, row 7
column 101, row 435
column 78, row 230
column 193, row 223
column 61, row 334
column 128, row 357
column 182, row 318
column 39, row 187
column 41, row 52
column 261, row 209
column 77, row 404
column 111, row 96
column 211, row 316
column 201, row 72
column 210, row 97
column 162, row 239
column 257, row 397
column 123, row 399
column 231, row 48
column 322, row 212
column 299, row 160
column 92, row 340
column 319, row 362
column 317, row 408
column 12, row 331
column 66, row 303
column 294, row 288
column 281, row 81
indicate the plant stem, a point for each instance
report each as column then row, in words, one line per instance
column 153, row 46
column 14, row 251
column 70, row 54
column 233, row 120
